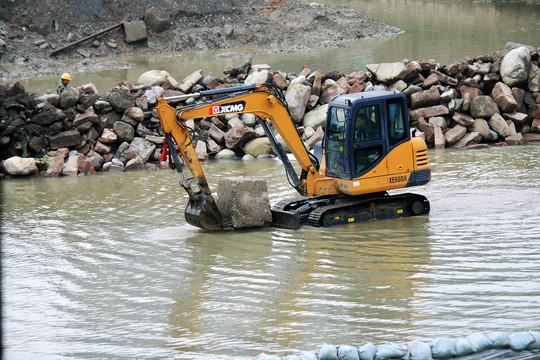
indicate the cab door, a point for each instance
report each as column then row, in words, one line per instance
column 400, row 157
column 337, row 159
column 369, row 145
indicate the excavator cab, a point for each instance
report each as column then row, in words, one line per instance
column 362, row 129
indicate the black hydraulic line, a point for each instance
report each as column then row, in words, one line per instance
column 292, row 176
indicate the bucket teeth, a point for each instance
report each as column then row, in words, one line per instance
column 203, row 212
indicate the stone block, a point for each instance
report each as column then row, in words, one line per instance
column 135, row 31
column 244, row 202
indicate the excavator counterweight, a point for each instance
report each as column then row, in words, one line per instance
column 367, row 150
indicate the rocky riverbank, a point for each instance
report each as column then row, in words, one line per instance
column 476, row 102
column 31, row 31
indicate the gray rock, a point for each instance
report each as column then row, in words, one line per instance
column 258, row 77
column 315, row 117
column 483, row 106
column 143, row 147
column 297, row 97
column 69, row 97
column 155, row 21
column 425, row 98
column 244, row 202
column 389, row 73
column 315, row 138
column 124, row 131
column 88, row 117
column 226, row 154
column 462, row 119
column 101, row 106
column 134, row 164
column 71, row 166
column 48, row 117
column 117, row 162
column 455, row 134
column 249, row 120
column 519, row 119
column 135, row 31
column 438, row 121
column 65, row 139
column 480, row 126
column 238, row 136
column 468, row 139
column 190, row 80
column 258, row 146
column 120, row 100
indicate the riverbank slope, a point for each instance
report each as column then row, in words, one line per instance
column 31, row 31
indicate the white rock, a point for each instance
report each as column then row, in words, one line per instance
column 153, row 77
column 17, row 165
column 515, row 67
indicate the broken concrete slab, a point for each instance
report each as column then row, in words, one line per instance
column 244, row 203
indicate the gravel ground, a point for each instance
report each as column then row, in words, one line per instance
column 31, row 30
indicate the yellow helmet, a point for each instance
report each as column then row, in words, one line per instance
column 66, row 76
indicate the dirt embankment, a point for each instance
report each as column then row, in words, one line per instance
column 31, row 30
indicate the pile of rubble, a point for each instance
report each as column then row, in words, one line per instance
column 477, row 101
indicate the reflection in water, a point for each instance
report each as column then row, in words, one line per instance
column 105, row 266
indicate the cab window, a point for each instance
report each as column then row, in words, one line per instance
column 336, row 161
column 396, row 123
column 368, row 144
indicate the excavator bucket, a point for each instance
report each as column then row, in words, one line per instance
column 203, row 212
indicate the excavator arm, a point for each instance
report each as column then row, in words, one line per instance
column 267, row 102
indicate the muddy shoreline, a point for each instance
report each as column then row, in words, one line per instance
column 30, row 32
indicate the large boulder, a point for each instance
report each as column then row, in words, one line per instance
column 483, row 106
column 502, row 94
column 48, row 117
column 244, row 202
column 297, row 97
column 85, row 120
column 142, row 147
column 20, row 166
column 258, row 77
column 124, row 131
column 238, row 135
column 193, row 78
column 156, row 21
column 425, row 98
column 389, row 73
column 65, row 139
column 69, row 97
column 120, row 99
column 455, row 134
column 315, row 117
column 428, row 112
column 258, row 146
column 515, row 67
column 469, row 139
column 499, row 125
column 480, row 126
column 135, row 31
column 153, row 77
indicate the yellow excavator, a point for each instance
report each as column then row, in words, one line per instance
column 367, row 149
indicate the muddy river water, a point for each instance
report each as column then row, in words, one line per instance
column 106, row 267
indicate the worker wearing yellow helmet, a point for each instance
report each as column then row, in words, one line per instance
column 65, row 79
